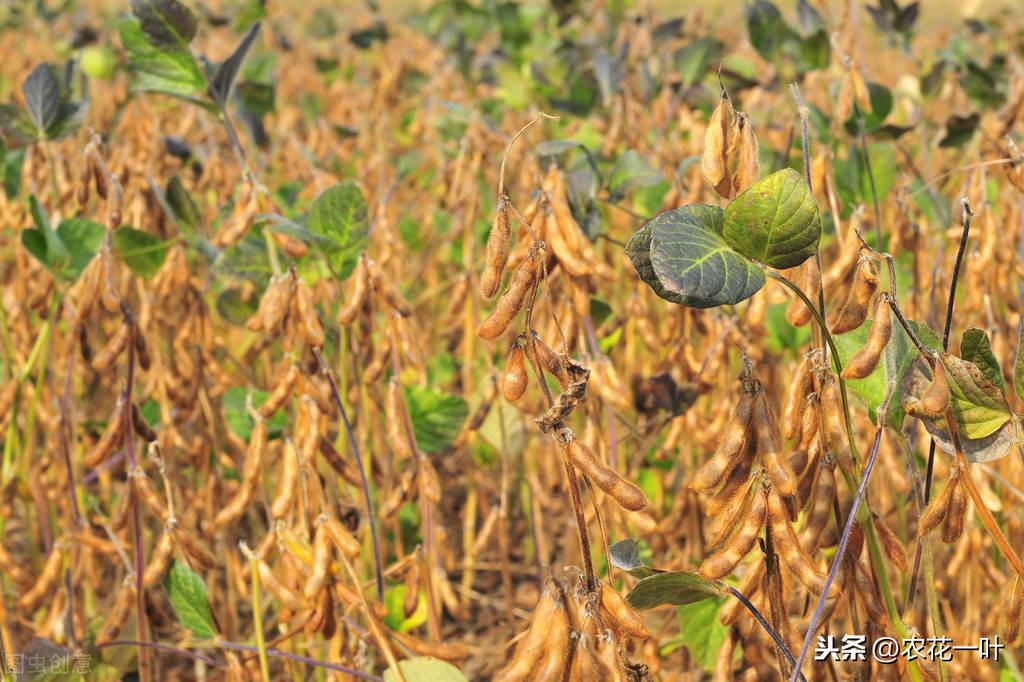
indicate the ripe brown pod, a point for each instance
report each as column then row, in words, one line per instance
column 113, row 348
column 343, row 540
column 282, row 391
column 714, row 160
column 622, row 617
column 798, row 314
column 288, row 598
column 321, row 564
column 892, row 545
column 45, row 583
column 956, row 510
column 534, row 643
column 626, row 493
column 305, row 311
column 1014, row 611
column 779, row 473
column 251, row 470
column 722, row 562
column 726, row 519
column 792, row 552
column 111, row 438
column 821, row 505
column 748, row 168
column 935, row 399
column 360, row 286
column 730, row 449
column 118, row 615
column 159, row 561
column 288, row 482
column 855, row 310
column 511, row 302
column 796, row 397
column 866, row 359
column 395, row 424
column 555, row 657
column 513, row 384
column 497, row 251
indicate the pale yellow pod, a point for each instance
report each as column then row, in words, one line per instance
column 281, row 392
column 775, row 464
column 111, row 438
column 512, row 301
column 792, row 553
column 306, row 312
column 716, row 141
column 497, row 252
column 288, row 482
column 622, row 617
column 360, row 286
column 533, row 644
column 45, row 583
column 321, row 564
column 800, row 385
column 615, row 485
column 343, row 540
column 748, row 168
column 118, row 615
column 159, row 561
column 288, row 598
column 113, row 348
column 730, row 449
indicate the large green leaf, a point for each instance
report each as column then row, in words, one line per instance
column 682, row 256
column 141, row 251
column 768, row 30
column 340, row 214
column 775, row 221
column 700, row 632
column 184, row 208
column 187, row 594
column 425, row 669
column 437, row 417
column 172, row 71
column 975, row 347
column 677, row 587
column 66, row 251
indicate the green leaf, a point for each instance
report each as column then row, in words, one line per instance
column 625, row 556
column 681, row 255
column 233, row 308
column 1018, row 363
column 437, row 417
column 631, row 170
column 677, row 587
column 693, row 60
column 768, row 30
column 775, row 221
column 172, row 71
column 425, row 669
column 701, row 632
column 42, row 97
column 340, row 214
column 141, row 251
column 975, row 347
column 978, row 405
column 182, row 205
column 224, row 79
column 65, row 251
column 238, row 418
column 187, row 593
column 13, row 162
column 166, row 23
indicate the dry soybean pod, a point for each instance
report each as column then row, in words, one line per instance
column 280, row 394
column 796, row 399
column 1014, row 610
column 529, row 649
column 728, row 453
column 793, row 555
column 956, row 510
column 396, row 421
column 866, row 359
column 855, row 310
column 609, row 657
column 113, row 348
column 891, row 545
column 288, row 481
column 748, row 169
column 45, row 583
column 497, row 251
column 288, row 598
column 321, row 564
column 392, row 296
column 768, row 445
column 722, row 562
column 305, row 311
column 721, row 524
column 622, row 617
column 626, row 493
column 716, row 140
column 159, row 561
column 935, row 398
column 360, row 286
column 343, row 540
column 821, row 504
column 511, row 302
column 254, row 456
column 118, row 615
column 798, row 314
column 111, row 438
column 555, row 657
column 514, row 382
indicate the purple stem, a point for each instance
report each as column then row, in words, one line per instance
column 302, row 659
